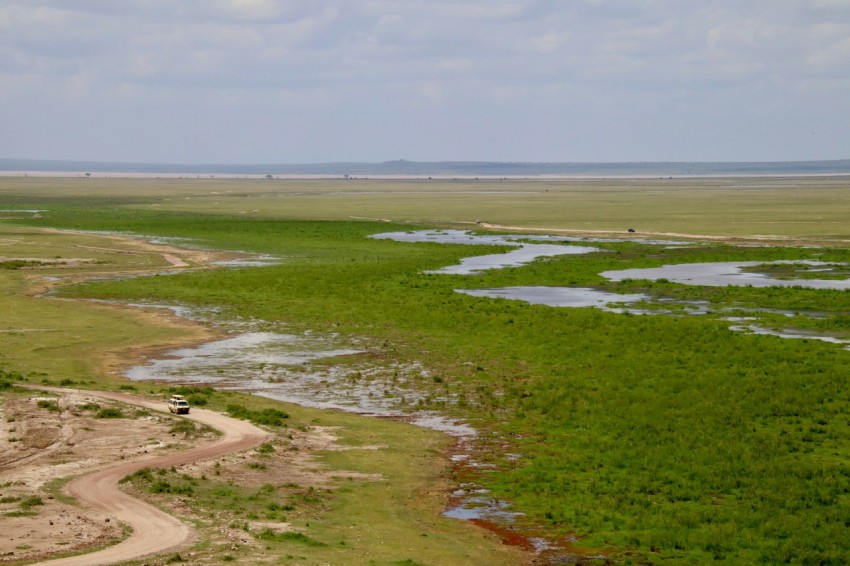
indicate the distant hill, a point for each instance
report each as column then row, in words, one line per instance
column 444, row 168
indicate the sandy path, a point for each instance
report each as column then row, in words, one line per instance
column 174, row 260
column 153, row 530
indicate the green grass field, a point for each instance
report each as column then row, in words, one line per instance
column 650, row 438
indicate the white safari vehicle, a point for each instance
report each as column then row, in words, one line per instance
column 178, row 404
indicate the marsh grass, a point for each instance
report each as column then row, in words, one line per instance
column 837, row 272
column 672, row 436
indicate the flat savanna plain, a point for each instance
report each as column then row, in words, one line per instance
column 638, row 438
column 805, row 207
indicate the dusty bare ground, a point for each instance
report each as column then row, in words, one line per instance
column 63, row 438
column 60, row 439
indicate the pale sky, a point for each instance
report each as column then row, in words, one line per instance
column 297, row 81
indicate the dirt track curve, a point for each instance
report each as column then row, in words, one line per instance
column 153, row 530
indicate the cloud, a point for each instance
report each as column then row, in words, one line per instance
column 529, row 66
column 249, row 9
column 832, row 58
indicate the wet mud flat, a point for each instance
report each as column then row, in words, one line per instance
column 318, row 371
column 737, row 273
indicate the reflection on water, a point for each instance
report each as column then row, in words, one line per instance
column 289, row 368
column 262, row 352
column 253, row 261
column 559, row 296
column 721, row 274
column 787, row 333
column 708, row 274
column 471, row 502
column 525, row 253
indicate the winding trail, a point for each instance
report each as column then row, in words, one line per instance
column 154, row 531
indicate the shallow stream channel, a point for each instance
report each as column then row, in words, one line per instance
column 329, row 372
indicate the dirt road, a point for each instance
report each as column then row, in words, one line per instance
column 153, row 530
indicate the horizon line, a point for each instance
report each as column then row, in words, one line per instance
column 410, row 161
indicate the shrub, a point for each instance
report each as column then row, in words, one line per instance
column 265, row 448
column 271, row 535
column 145, row 474
column 187, row 390
column 10, row 376
column 164, row 486
column 49, row 405
column 31, row 501
column 184, row 427
column 14, row 264
column 268, row 416
column 110, row 413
